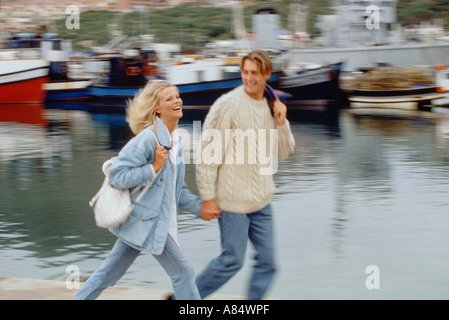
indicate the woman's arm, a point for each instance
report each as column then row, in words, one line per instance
column 132, row 165
column 188, row 201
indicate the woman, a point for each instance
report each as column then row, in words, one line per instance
column 152, row 226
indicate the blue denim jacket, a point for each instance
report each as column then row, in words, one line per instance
column 146, row 229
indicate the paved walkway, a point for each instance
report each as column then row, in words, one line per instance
column 32, row 289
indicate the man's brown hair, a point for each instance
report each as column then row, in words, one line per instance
column 261, row 58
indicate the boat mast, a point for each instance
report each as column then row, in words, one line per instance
column 239, row 28
column 297, row 21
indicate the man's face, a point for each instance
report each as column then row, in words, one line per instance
column 254, row 80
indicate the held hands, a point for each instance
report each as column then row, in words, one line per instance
column 280, row 112
column 160, row 157
column 210, row 210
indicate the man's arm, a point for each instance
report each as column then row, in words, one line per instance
column 217, row 120
column 286, row 141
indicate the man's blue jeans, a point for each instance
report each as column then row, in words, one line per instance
column 122, row 256
column 235, row 230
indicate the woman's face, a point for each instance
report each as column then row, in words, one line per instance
column 170, row 105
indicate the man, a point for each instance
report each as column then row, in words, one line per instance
column 236, row 192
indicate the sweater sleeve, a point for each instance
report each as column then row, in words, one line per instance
column 286, row 141
column 212, row 151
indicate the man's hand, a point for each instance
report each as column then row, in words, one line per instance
column 280, row 112
column 210, row 210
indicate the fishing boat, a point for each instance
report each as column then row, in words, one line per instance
column 200, row 81
column 50, row 47
column 22, row 81
column 393, row 87
column 312, row 85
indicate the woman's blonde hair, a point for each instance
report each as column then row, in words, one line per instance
column 141, row 111
column 261, row 58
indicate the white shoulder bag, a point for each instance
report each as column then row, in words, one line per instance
column 113, row 206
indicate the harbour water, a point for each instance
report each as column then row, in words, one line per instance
column 361, row 209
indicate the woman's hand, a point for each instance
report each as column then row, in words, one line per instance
column 160, row 158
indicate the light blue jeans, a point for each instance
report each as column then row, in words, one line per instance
column 235, row 230
column 120, row 259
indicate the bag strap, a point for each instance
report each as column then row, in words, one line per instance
column 106, row 180
column 95, row 197
column 153, row 180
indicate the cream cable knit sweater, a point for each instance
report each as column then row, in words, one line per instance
column 235, row 148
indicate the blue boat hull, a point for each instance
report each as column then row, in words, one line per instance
column 201, row 94
column 67, row 95
column 67, row 89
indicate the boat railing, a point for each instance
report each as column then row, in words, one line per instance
column 20, row 54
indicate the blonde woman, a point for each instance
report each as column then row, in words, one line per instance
column 152, row 226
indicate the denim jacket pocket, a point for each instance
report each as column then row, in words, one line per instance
column 139, row 227
column 143, row 213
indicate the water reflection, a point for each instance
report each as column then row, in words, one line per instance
column 355, row 192
column 361, row 195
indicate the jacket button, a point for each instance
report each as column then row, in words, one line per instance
column 140, row 216
column 162, row 179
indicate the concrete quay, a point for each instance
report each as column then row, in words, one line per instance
column 12, row 288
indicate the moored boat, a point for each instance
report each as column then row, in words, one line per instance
column 313, row 85
column 200, row 82
column 50, row 47
column 393, row 87
column 21, row 81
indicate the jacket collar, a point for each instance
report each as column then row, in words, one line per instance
column 162, row 134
